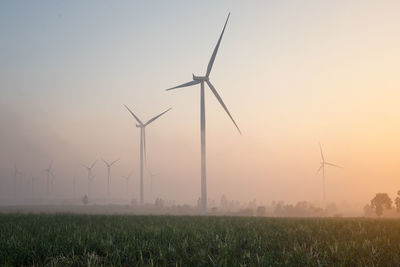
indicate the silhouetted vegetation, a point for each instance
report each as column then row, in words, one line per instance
column 81, row 240
column 301, row 209
column 381, row 205
column 381, row 201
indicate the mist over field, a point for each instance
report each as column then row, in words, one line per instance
column 208, row 133
column 292, row 74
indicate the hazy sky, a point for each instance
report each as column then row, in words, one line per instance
column 292, row 73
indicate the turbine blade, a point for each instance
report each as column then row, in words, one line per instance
column 322, row 154
column 94, row 163
column 156, row 117
column 214, row 54
column 83, row 166
column 222, row 103
column 137, row 119
column 105, row 162
column 114, row 162
column 334, row 165
column 184, row 85
column 51, row 164
column 319, row 169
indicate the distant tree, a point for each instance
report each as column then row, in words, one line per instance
column 397, row 201
column 159, row 202
column 252, row 204
column 331, row 209
column 85, row 199
column 301, row 209
column 368, row 211
column 381, row 201
column 224, row 202
column 261, row 211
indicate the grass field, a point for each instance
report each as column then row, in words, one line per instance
column 197, row 241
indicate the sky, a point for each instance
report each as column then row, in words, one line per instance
column 292, row 73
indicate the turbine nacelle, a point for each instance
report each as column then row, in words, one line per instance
column 200, row 78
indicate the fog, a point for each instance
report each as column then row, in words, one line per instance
column 292, row 76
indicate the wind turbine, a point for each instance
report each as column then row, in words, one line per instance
column 201, row 80
column 48, row 171
column 109, row 174
column 16, row 173
column 142, row 127
column 89, row 177
column 322, row 167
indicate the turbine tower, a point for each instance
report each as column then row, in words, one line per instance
column 142, row 127
column 109, row 165
column 322, row 167
column 74, row 186
column 89, row 177
column 201, row 80
column 52, row 183
column 48, row 171
column 16, row 173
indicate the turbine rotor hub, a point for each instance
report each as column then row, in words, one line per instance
column 200, row 78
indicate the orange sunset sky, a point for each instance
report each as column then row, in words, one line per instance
column 292, row 73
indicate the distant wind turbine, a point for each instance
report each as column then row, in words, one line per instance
column 49, row 173
column 89, row 177
column 109, row 165
column 322, row 167
column 201, row 80
column 16, row 173
column 142, row 127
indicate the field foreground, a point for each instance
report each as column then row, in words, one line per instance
column 193, row 241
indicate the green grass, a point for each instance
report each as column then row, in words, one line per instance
column 197, row 241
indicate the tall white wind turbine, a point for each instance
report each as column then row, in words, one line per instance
column 323, row 163
column 201, row 80
column 142, row 127
column 109, row 165
column 48, row 173
column 89, row 177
